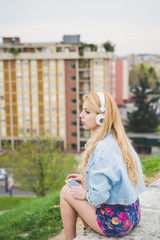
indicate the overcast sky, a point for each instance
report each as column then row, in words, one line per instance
column 132, row 25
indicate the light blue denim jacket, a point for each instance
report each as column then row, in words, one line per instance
column 106, row 177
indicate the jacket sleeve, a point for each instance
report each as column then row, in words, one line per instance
column 103, row 175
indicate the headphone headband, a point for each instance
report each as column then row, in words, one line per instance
column 102, row 101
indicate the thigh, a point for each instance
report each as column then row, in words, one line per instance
column 83, row 208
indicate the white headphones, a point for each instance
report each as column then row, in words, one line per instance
column 100, row 117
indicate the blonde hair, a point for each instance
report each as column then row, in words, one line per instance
column 112, row 122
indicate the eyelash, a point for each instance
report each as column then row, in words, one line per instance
column 87, row 112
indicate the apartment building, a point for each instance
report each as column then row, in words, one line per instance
column 42, row 84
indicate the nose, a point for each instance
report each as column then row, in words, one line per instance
column 81, row 114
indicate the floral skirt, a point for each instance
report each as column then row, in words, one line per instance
column 118, row 220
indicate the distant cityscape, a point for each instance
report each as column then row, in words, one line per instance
column 42, row 84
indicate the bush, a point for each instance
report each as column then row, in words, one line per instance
column 37, row 219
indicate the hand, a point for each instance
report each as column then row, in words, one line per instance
column 76, row 177
column 78, row 192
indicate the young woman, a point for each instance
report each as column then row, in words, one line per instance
column 111, row 180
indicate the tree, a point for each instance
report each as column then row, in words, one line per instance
column 144, row 119
column 39, row 166
column 109, row 47
column 143, row 71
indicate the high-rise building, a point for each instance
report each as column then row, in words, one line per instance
column 41, row 88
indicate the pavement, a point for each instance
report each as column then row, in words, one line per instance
column 15, row 192
column 149, row 226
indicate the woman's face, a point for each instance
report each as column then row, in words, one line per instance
column 88, row 117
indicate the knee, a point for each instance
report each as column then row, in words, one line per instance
column 64, row 191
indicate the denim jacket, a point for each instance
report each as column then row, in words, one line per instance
column 106, row 177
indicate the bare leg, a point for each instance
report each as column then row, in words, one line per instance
column 70, row 207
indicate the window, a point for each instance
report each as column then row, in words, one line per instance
column 3, row 119
column 45, row 85
column 52, row 63
column 61, row 131
column 61, row 109
column 53, row 86
column 33, row 63
column 46, row 108
column 1, row 74
column 74, row 134
column 34, row 86
column 26, row 97
column 61, row 97
column 20, row 108
column 20, row 120
column 61, row 119
column 53, row 75
column 60, row 86
column 2, row 109
column 25, row 63
column 54, row 131
column 34, row 109
column 27, row 109
column 1, row 86
column 33, row 74
column 18, row 63
column 73, row 112
column 2, row 97
column 74, row 146
column 19, row 86
column 53, row 109
column 26, row 86
column 46, row 119
column 60, row 74
column 35, row 119
column 54, row 119
column 34, row 97
column 73, row 89
column 45, row 63
column 60, row 63
column 1, row 64
column 73, row 100
column 3, row 130
column 53, row 97
column 46, row 97
column 72, row 78
column 45, row 75
column 18, row 74
column 72, row 66
column 74, row 123
column 28, row 119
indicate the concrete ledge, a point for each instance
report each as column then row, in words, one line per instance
column 148, row 228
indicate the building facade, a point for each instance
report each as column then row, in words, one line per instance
column 42, row 84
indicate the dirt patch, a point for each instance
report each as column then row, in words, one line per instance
column 149, row 180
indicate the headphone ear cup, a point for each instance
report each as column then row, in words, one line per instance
column 99, row 119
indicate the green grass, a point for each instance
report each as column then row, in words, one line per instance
column 151, row 165
column 34, row 219
column 12, row 202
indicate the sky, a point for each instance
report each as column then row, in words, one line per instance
column 133, row 26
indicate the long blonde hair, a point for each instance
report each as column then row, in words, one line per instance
column 112, row 122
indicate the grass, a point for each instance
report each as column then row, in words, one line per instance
column 151, row 165
column 34, row 219
column 12, row 202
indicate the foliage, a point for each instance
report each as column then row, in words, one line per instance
column 39, row 166
column 12, row 202
column 144, row 119
column 151, row 165
column 37, row 219
column 143, row 71
column 14, row 51
column 109, row 47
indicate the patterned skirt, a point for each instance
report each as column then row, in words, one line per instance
column 118, row 220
